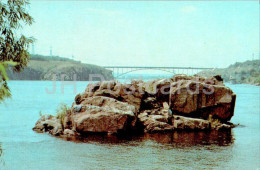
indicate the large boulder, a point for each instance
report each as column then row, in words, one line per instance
column 196, row 98
column 101, row 114
column 129, row 93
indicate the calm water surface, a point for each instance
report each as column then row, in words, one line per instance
column 22, row 148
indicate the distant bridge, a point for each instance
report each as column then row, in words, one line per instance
column 122, row 70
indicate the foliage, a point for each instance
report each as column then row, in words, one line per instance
column 61, row 112
column 243, row 72
column 13, row 48
column 40, row 113
column 213, row 122
column 4, row 89
column 257, row 80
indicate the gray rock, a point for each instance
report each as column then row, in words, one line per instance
column 77, row 108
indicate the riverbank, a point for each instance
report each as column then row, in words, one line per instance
column 247, row 72
column 47, row 67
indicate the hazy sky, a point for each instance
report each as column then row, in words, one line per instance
column 202, row 34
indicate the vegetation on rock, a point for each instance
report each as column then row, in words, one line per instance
column 61, row 112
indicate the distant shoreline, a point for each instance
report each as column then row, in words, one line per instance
column 45, row 67
column 247, row 72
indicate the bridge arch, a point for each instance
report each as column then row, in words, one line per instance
column 130, row 71
column 119, row 71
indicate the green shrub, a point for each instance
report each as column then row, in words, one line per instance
column 40, row 113
column 213, row 122
column 257, row 80
column 243, row 72
column 61, row 112
column 252, row 72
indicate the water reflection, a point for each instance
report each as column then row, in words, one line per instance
column 220, row 138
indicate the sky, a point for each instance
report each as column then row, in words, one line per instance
column 147, row 33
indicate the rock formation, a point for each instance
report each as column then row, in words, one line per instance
column 180, row 103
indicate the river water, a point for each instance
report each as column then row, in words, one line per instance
column 22, row 148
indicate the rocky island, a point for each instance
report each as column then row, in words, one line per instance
column 180, row 103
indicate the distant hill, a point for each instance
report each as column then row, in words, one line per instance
column 49, row 58
column 247, row 72
column 44, row 67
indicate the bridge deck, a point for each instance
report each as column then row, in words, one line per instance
column 144, row 67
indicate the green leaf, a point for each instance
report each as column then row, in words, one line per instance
column 12, row 63
column 3, row 72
